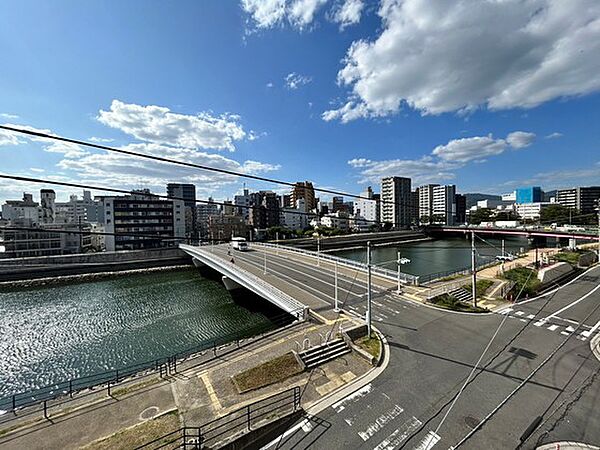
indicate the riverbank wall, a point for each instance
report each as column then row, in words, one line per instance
column 17, row 269
column 353, row 240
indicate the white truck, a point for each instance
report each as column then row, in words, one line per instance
column 239, row 243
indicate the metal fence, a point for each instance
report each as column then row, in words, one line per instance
column 232, row 425
column 62, row 392
column 424, row 279
column 381, row 271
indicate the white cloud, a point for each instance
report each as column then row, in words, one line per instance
column 302, row 12
column 444, row 159
column 520, row 139
column 560, row 179
column 51, row 145
column 271, row 13
column 447, row 56
column 270, row 84
column 113, row 169
column 100, row 139
column 347, row 13
column 554, row 135
column 470, row 149
column 424, row 170
column 66, row 148
column 253, row 135
column 8, row 138
column 36, row 169
column 9, row 116
column 159, row 125
column 294, row 80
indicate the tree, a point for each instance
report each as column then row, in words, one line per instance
column 506, row 215
column 556, row 214
column 480, row 215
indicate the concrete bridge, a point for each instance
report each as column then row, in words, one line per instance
column 236, row 277
column 253, row 270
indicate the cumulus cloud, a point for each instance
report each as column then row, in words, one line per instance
column 50, row 145
column 270, row 13
column 438, row 57
column 423, row 170
column 444, row 159
column 554, row 135
column 294, row 81
column 520, row 139
column 100, row 140
column 159, row 125
column 113, row 169
column 347, row 13
column 9, row 116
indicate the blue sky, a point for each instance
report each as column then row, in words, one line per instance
column 340, row 92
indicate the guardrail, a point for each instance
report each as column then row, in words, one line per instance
column 381, row 271
column 60, row 393
column 232, row 425
column 247, row 278
column 430, row 277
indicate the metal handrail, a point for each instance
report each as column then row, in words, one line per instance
column 251, row 279
column 386, row 273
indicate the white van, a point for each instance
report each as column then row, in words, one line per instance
column 239, row 243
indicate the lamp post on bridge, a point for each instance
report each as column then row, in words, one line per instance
column 336, row 307
column 400, row 262
column 368, row 318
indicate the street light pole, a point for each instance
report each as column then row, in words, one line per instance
column 318, row 251
column 399, row 268
column 265, row 259
column 369, row 289
column 336, row 308
column 473, row 270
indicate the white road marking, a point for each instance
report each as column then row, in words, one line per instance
column 428, row 441
column 354, row 397
column 280, row 438
column 380, row 422
column 565, row 333
column 570, row 329
column 553, row 327
column 307, row 426
column 590, row 332
column 531, row 316
column 539, row 324
column 394, row 439
column 505, row 311
column 573, row 303
column 520, row 313
column 523, row 320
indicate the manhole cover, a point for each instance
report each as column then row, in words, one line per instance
column 471, row 421
column 149, row 413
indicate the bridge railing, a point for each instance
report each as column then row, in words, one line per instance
column 406, row 278
column 59, row 393
column 250, row 279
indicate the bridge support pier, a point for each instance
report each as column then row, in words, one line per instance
column 198, row 263
column 230, row 284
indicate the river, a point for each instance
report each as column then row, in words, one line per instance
column 54, row 333
column 436, row 256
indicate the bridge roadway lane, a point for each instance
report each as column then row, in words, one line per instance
column 431, row 355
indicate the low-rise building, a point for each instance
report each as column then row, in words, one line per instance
column 336, row 220
column 530, row 211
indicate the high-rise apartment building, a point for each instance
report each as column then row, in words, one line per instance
column 426, row 203
column 306, row 191
column 437, row 204
column 531, row 194
column 461, row 208
column 242, row 204
column 367, row 207
column 47, row 205
column 187, row 192
column 79, row 210
column 583, row 199
column 395, row 202
column 264, row 209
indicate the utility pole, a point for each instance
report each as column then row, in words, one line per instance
column 318, row 251
column 598, row 201
column 399, row 267
column 336, row 307
column 369, row 289
column 503, row 253
column 473, row 270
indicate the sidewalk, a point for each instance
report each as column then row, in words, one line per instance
column 199, row 391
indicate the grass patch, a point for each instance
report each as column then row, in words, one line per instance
column 569, row 257
column 451, row 277
column 480, row 286
column 134, row 387
column 525, row 279
column 447, row 301
column 370, row 344
column 272, row 371
column 140, row 434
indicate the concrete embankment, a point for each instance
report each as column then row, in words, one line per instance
column 53, row 266
column 354, row 240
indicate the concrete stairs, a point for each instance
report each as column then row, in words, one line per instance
column 461, row 294
column 316, row 356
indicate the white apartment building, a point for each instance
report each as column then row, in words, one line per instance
column 242, row 203
column 295, row 218
column 368, row 208
column 336, row 220
column 22, row 209
column 437, row 204
column 530, row 211
column 76, row 209
column 396, row 202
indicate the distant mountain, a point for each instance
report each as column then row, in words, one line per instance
column 549, row 194
column 472, row 199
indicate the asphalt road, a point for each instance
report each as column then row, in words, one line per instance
column 432, row 353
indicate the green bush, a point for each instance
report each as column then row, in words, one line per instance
column 525, row 279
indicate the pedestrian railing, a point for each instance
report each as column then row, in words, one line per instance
column 247, row 279
column 436, row 276
column 62, row 392
column 406, row 278
column 232, row 425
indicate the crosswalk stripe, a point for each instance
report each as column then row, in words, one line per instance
column 428, row 441
column 381, row 421
column 399, row 435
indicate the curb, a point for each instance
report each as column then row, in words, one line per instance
column 567, row 445
column 595, row 346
